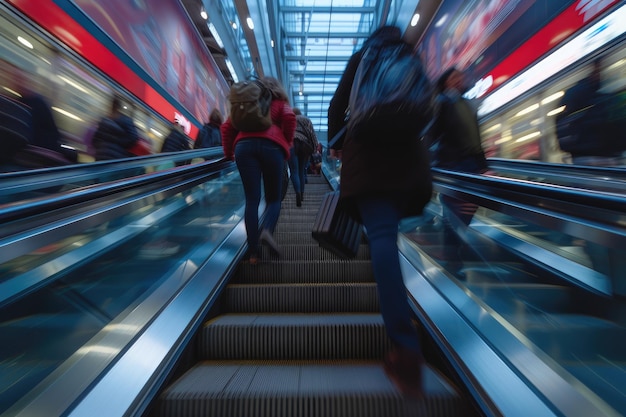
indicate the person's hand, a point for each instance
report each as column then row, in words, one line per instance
column 335, row 154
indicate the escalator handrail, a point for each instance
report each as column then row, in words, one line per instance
column 37, row 206
column 585, row 204
column 609, row 173
column 11, row 182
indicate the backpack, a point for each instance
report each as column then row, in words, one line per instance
column 250, row 106
column 390, row 92
column 302, row 140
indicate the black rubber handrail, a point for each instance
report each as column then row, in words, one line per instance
column 46, row 204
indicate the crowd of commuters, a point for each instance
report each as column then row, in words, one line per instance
column 380, row 185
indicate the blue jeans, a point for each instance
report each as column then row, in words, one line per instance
column 259, row 160
column 381, row 217
column 297, row 166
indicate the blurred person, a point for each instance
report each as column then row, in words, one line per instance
column 115, row 135
column 210, row 135
column 304, row 144
column 588, row 127
column 176, row 141
column 381, row 184
column 44, row 130
column 458, row 147
column 315, row 162
column 261, row 158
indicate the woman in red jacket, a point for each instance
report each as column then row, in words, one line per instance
column 261, row 156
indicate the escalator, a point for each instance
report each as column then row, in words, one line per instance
column 300, row 335
column 88, row 312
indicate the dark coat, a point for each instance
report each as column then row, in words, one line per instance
column 209, row 136
column 457, row 135
column 45, row 131
column 373, row 167
column 176, row 141
column 114, row 137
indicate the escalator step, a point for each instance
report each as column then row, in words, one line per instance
column 304, row 271
column 287, row 389
column 301, row 298
column 294, row 337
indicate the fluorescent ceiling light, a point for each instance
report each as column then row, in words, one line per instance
column 250, row 23
column 415, row 19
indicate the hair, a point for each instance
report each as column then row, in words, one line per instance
column 116, row 104
column 443, row 79
column 296, row 111
column 216, row 117
column 276, row 88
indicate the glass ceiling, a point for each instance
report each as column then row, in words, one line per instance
column 304, row 43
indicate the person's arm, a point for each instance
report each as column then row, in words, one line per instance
column 288, row 123
column 340, row 100
column 228, row 136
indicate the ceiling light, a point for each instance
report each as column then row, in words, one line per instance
column 25, row 42
column 215, row 34
column 233, row 25
column 203, row 14
column 416, row 18
column 441, row 21
column 250, row 23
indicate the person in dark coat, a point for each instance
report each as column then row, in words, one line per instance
column 210, row 135
column 456, row 134
column 176, row 140
column 115, row 134
column 382, row 184
column 304, row 144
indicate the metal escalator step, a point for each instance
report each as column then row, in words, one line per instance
column 301, row 298
column 300, row 271
column 294, row 337
column 287, row 389
column 313, row 252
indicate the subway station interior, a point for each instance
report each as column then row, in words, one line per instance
column 125, row 289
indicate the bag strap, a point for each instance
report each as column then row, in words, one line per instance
column 339, row 134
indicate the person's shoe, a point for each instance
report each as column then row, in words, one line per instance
column 267, row 238
column 298, row 199
column 404, row 368
column 158, row 249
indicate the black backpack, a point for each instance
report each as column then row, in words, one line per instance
column 302, row 140
column 250, row 106
column 390, row 92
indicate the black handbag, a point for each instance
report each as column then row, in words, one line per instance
column 335, row 230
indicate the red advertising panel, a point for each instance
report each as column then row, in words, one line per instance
column 166, row 48
column 478, row 35
column 160, row 38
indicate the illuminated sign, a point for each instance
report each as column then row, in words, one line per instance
column 590, row 40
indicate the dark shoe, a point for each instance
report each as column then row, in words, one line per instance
column 404, row 368
column 267, row 238
column 298, row 200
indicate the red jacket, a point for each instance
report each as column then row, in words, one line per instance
column 281, row 131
